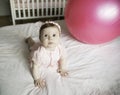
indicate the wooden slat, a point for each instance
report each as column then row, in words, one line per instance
column 46, row 2
column 51, row 6
column 59, row 9
column 55, row 9
column 23, row 8
column 28, row 7
column 38, row 7
column 63, row 7
column 19, row 12
column 33, row 9
column 42, row 9
column 13, row 11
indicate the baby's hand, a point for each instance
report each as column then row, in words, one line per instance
column 63, row 73
column 40, row 83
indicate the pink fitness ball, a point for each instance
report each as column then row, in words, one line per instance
column 93, row 21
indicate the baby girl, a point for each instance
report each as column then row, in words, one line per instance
column 49, row 54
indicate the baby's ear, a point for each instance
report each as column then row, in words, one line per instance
column 59, row 32
column 39, row 37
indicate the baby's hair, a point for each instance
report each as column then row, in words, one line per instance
column 50, row 24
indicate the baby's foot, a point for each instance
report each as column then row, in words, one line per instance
column 30, row 42
column 40, row 83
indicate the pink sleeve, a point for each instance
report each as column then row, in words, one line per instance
column 34, row 51
column 63, row 57
column 34, row 57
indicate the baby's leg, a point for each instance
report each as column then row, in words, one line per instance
column 30, row 42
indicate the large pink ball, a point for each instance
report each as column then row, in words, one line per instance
column 93, row 21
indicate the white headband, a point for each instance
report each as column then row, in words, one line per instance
column 56, row 24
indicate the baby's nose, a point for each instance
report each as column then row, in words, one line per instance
column 50, row 37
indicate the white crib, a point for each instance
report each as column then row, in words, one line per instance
column 31, row 9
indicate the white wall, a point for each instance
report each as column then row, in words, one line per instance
column 4, row 7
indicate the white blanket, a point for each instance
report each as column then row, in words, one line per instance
column 93, row 69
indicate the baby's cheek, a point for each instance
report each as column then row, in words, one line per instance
column 57, row 41
column 45, row 43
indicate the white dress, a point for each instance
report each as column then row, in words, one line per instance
column 48, row 61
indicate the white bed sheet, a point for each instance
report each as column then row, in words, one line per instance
column 93, row 69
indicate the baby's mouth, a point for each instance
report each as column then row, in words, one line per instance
column 50, row 43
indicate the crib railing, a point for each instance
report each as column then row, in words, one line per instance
column 30, row 9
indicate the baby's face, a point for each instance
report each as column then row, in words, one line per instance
column 50, row 37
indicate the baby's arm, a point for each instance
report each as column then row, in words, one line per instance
column 38, row 81
column 62, row 67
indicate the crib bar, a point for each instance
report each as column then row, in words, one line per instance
column 42, row 4
column 55, row 7
column 33, row 9
column 12, row 5
column 38, row 8
column 23, row 3
column 59, row 9
column 28, row 7
column 19, row 12
column 46, row 8
column 51, row 7
column 63, row 8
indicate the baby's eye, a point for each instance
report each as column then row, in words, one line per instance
column 54, row 35
column 45, row 35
